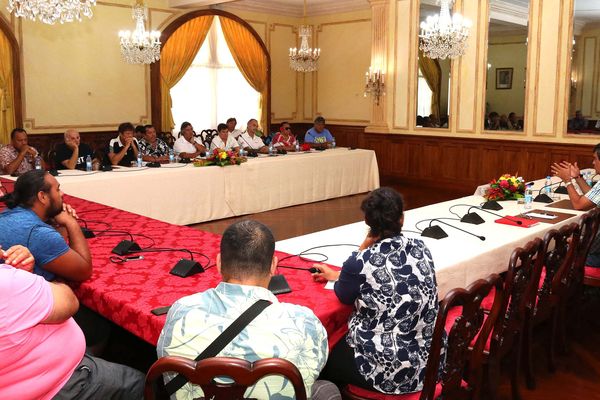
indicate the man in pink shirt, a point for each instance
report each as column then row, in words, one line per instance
column 42, row 349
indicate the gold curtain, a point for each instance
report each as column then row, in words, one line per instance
column 176, row 57
column 250, row 59
column 7, row 95
column 432, row 72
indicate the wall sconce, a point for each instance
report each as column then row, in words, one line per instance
column 573, row 83
column 374, row 84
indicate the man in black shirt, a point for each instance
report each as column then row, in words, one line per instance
column 72, row 153
column 123, row 149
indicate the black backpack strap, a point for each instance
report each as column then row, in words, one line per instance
column 221, row 341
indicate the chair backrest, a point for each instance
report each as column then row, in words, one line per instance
column 168, row 138
column 520, row 290
column 241, row 372
column 587, row 231
column 207, row 136
column 460, row 336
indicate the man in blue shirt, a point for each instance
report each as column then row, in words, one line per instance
column 318, row 136
column 35, row 203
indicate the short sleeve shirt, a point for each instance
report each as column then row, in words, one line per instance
column 217, row 143
column 312, row 136
column 253, row 142
column 183, row 146
column 279, row 141
column 22, row 226
column 594, row 194
column 115, row 146
column 160, row 148
column 36, row 360
column 8, row 154
column 64, row 152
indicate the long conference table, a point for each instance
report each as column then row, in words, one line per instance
column 183, row 194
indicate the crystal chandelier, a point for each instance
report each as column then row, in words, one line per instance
column 140, row 46
column 51, row 11
column 444, row 36
column 304, row 59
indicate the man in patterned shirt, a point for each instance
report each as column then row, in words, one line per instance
column 17, row 157
column 246, row 263
column 153, row 149
column 571, row 176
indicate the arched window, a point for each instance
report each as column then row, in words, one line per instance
column 189, row 44
column 10, row 86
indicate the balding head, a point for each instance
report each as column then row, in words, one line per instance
column 72, row 136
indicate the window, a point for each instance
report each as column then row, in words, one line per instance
column 213, row 88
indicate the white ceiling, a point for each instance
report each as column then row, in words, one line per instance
column 293, row 8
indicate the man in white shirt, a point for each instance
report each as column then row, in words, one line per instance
column 250, row 141
column 224, row 141
column 185, row 145
column 231, row 123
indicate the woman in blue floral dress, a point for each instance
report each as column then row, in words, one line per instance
column 391, row 281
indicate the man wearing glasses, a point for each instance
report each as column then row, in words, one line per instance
column 285, row 139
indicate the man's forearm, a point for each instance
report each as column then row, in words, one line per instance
column 77, row 241
column 117, row 157
column 72, row 162
column 12, row 166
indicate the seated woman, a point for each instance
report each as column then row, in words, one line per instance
column 224, row 141
column 391, row 281
column 185, row 145
column 285, row 139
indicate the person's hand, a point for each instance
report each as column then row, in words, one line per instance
column 199, row 147
column 19, row 257
column 71, row 144
column 64, row 219
column 324, row 273
column 128, row 142
column 70, row 210
column 575, row 171
column 562, row 170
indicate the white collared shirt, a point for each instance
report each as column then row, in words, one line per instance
column 246, row 141
column 181, row 145
column 217, row 143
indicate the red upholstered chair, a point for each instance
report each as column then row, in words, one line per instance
column 462, row 317
column 520, row 290
column 243, row 374
column 559, row 251
column 591, row 275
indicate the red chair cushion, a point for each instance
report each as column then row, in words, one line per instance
column 368, row 394
column 592, row 272
column 454, row 312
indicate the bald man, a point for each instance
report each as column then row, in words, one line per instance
column 72, row 153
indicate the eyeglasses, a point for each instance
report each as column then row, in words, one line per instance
column 288, row 128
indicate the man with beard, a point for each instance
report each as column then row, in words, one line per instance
column 37, row 218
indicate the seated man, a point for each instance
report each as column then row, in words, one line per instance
column 578, row 123
column 318, row 135
column 246, row 263
column 224, row 141
column 123, row 150
column 153, row 149
column 513, row 122
column 234, row 133
column 35, row 202
column 72, row 153
column 42, row 350
column 185, row 144
column 250, row 141
column 17, row 157
column 285, row 139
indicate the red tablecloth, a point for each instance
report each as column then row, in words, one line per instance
column 125, row 293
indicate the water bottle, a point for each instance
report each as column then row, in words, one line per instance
column 548, row 188
column 171, row 156
column 528, row 197
column 88, row 163
column 297, row 146
column 588, row 179
column 139, row 160
column 333, row 143
column 271, row 149
column 242, row 152
column 38, row 162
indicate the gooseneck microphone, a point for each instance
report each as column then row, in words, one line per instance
column 544, row 198
column 436, row 232
column 515, row 220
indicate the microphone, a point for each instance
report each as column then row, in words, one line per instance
column 470, row 215
column 436, row 232
column 544, row 198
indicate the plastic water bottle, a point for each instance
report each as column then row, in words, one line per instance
column 588, row 179
column 88, row 163
column 171, row 156
column 271, row 149
column 139, row 160
column 242, row 152
column 528, row 197
column 333, row 143
column 297, row 146
column 38, row 162
column 548, row 188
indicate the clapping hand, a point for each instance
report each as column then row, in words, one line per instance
column 564, row 170
column 19, row 257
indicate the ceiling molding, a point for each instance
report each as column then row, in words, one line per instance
column 290, row 8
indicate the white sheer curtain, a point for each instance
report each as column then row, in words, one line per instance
column 423, row 97
column 213, row 89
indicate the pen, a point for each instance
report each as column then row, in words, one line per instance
column 133, row 258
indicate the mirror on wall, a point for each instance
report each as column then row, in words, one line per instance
column 584, row 99
column 433, row 81
column 506, row 65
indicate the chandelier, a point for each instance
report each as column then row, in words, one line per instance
column 444, row 36
column 51, row 11
column 304, row 59
column 140, row 46
column 374, row 84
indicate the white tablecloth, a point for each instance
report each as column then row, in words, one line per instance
column 184, row 194
column 460, row 258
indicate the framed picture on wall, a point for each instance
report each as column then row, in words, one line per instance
column 504, row 77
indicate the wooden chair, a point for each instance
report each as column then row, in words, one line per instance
column 207, row 136
column 591, row 275
column 168, row 138
column 242, row 373
column 550, row 270
column 506, row 338
column 460, row 319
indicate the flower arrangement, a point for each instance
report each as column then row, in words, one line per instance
column 221, row 158
column 507, row 187
column 305, row 147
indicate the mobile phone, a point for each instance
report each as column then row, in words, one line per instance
column 160, row 310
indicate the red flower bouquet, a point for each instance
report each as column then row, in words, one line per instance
column 507, row 187
column 221, row 158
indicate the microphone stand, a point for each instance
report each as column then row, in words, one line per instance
column 436, row 232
